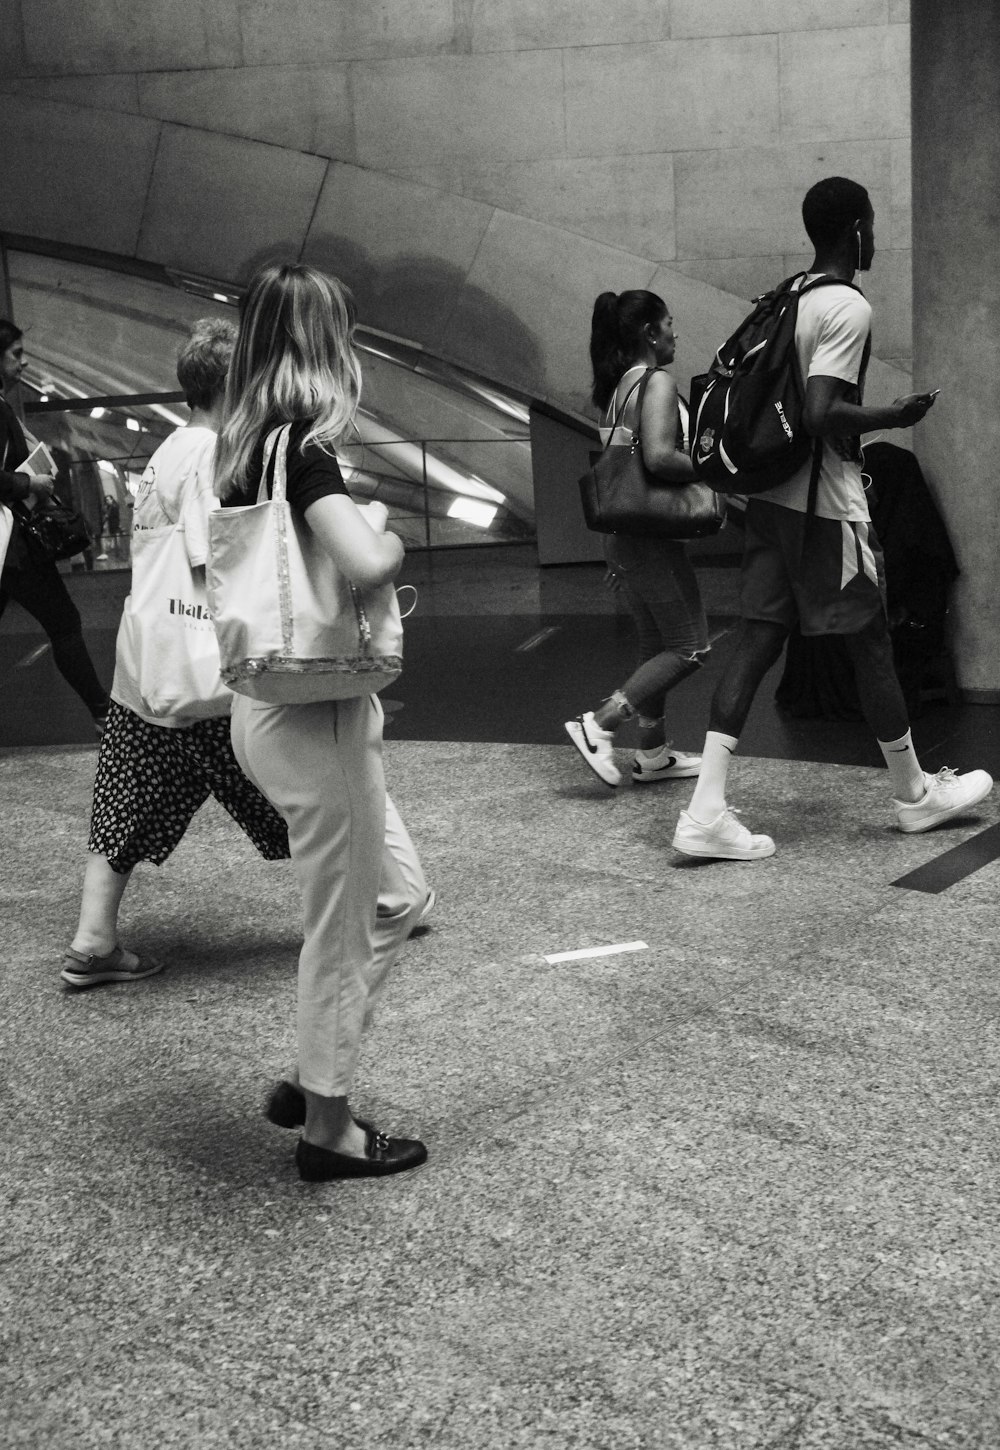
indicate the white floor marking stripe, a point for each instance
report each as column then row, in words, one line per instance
column 35, row 654
column 625, row 946
column 534, row 640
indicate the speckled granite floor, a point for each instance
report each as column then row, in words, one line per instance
column 732, row 1191
column 735, row 1190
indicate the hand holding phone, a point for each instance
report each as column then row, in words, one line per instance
column 911, row 409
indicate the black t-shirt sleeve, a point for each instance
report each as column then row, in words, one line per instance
column 310, row 475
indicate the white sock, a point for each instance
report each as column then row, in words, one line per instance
column 908, row 782
column 709, row 799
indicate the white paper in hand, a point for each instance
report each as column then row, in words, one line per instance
column 39, row 460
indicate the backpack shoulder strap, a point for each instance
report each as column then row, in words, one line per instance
column 825, row 281
column 814, row 472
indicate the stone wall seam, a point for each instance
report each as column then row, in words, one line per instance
column 315, row 208
column 241, row 40
column 149, row 188
column 565, row 118
column 493, row 218
column 463, row 12
column 442, row 345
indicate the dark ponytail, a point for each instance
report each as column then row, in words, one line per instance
column 617, row 339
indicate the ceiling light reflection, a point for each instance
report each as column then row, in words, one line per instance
column 473, row 512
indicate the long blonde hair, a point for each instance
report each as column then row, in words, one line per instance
column 293, row 360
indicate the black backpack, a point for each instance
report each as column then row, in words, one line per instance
column 747, row 431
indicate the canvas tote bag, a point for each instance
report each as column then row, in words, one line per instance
column 6, row 529
column 166, row 639
column 291, row 628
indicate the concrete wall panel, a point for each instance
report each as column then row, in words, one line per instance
column 748, row 202
column 528, row 25
column 842, row 84
column 99, row 93
column 404, row 249
column 624, row 201
column 74, row 175
column 608, row 110
column 774, row 17
column 901, row 204
column 306, row 108
column 743, row 277
column 12, row 58
column 673, row 132
column 503, row 106
column 313, row 31
column 202, row 216
column 523, row 315
column 119, row 35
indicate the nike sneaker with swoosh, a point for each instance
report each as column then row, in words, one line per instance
column 948, row 794
column 595, row 745
column 665, row 763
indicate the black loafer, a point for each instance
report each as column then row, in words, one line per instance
column 382, row 1156
column 286, row 1107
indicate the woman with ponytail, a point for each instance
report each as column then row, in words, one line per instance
column 319, row 764
column 632, row 335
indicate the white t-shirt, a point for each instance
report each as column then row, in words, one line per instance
column 831, row 331
column 178, row 480
column 177, row 483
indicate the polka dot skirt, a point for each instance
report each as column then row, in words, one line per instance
column 152, row 779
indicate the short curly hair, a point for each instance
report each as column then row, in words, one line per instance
column 203, row 361
column 831, row 208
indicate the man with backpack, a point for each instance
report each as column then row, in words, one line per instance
column 810, row 553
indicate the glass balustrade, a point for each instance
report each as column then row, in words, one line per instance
column 447, row 452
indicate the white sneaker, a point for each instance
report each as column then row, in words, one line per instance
column 595, row 745
column 724, row 839
column 664, row 763
column 948, row 794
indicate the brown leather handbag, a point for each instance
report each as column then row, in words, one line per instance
column 621, row 496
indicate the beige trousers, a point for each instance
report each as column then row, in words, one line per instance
column 359, row 876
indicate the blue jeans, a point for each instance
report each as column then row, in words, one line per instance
column 662, row 592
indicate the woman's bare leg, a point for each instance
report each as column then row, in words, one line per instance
column 103, row 889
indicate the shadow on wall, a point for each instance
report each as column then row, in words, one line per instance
column 425, row 301
column 429, row 302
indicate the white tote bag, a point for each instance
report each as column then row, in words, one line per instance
column 291, row 628
column 166, row 640
column 6, row 529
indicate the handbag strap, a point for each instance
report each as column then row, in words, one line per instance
column 276, row 447
column 641, row 384
column 279, row 455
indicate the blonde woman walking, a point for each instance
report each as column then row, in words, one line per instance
column 319, row 764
